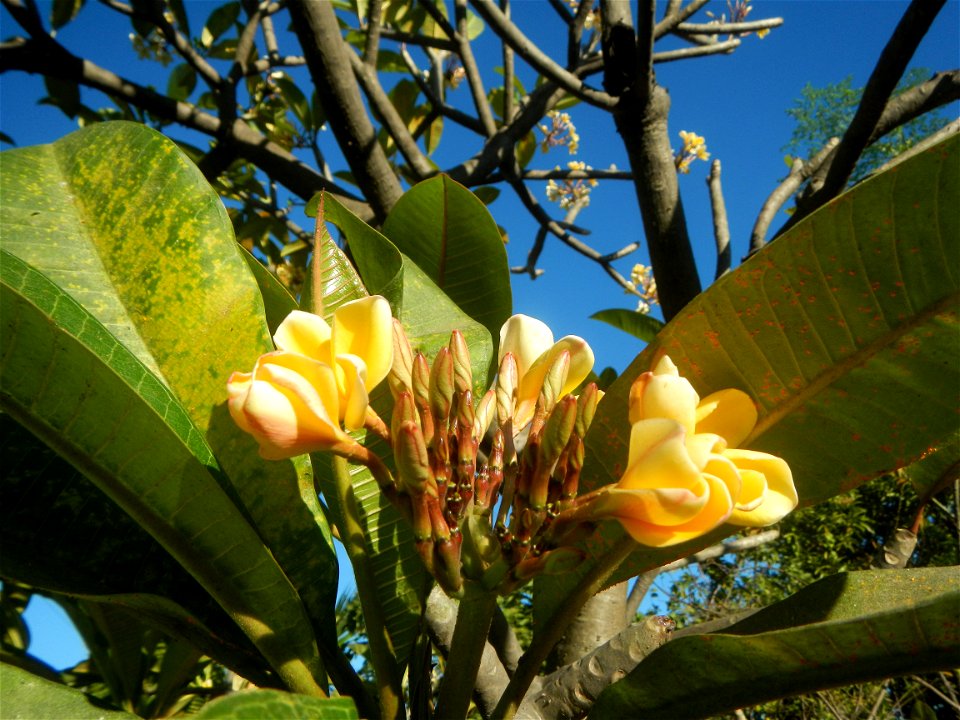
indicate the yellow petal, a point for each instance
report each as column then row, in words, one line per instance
column 526, row 338
column 752, row 491
column 713, row 513
column 658, row 458
column 364, row 328
column 664, row 395
column 581, row 360
column 729, row 413
column 703, row 446
column 304, row 333
column 291, row 406
column 662, row 507
column 238, row 385
column 781, row 494
column 353, row 392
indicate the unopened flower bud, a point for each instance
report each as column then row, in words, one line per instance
column 413, row 464
column 554, row 381
column 484, row 413
column 586, row 409
column 420, row 379
column 400, row 377
column 463, row 372
column 442, row 385
column 506, row 389
column 404, row 410
column 556, row 433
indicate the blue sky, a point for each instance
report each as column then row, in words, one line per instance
column 737, row 102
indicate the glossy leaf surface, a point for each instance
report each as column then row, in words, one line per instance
column 276, row 705
column 27, row 697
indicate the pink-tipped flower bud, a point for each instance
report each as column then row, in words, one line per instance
column 404, row 410
column 586, row 409
column 463, row 371
column 506, row 389
column 442, row 386
column 557, row 431
column 400, row 377
column 413, row 464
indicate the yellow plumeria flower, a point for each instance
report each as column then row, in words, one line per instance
column 684, row 474
column 531, row 344
column 296, row 398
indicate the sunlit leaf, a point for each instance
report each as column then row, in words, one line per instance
column 27, row 697
column 630, row 321
column 276, row 705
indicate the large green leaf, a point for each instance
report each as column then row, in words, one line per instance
column 28, row 697
column 67, row 379
column 843, row 331
column 117, row 217
column 630, row 321
column 276, row 705
column 53, row 513
column 844, row 629
column 451, row 236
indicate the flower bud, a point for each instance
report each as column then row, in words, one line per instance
column 554, row 381
column 413, row 464
column 463, row 371
column 404, row 410
column 400, row 377
column 506, row 389
column 557, row 431
column 484, row 414
column 420, row 379
column 586, row 409
column 442, row 386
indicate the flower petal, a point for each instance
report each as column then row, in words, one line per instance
column 527, row 338
column 364, row 328
column 729, row 413
column 304, row 333
column 658, row 458
column 667, row 507
column 664, row 394
column 781, row 495
column 238, row 385
column 351, row 373
column 713, row 513
column 291, row 406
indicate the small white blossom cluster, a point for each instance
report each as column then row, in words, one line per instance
column 643, row 282
column 561, row 131
column 694, row 148
column 571, row 191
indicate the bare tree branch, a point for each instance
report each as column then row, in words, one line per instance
column 472, row 71
column 943, row 133
column 508, row 71
column 676, row 15
column 721, row 229
column 718, row 28
column 459, row 117
column 316, row 26
column 883, row 80
column 541, row 62
column 727, row 46
column 371, row 46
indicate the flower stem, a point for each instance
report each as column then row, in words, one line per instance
column 381, row 647
column 469, row 637
column 556, row 626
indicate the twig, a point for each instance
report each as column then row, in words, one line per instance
column 638, row 592
column 949, row 129
column 554, row 174
column 721, row 230
column 508, row 70
column 563, row 10
column 883, row 80
column 727, row 46
column 269, row 36
column 575, row 33
column 545, row 65
column 183, row 47
column 387, row 112
column 676, row 15
column 461, row 118
column 799, row 172
column 472, row 71
column 418, row 40
column 729, row 28
column 737, row 545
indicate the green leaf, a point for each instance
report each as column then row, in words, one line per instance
column 73, row 385
column 845, row 629
column 52, row 512
column 219, row 21
column 277, row 705
column 63, row 94
column 27, row 697
column 182, row 81
column 295, row 99
column 277, row 301
column 389, row 61
column 64, row 11
column 180, row 13
column 448, row 232
column 843, row 331
column 637, row 324
column 142, row 230
column 487, row 194
column 936, row 470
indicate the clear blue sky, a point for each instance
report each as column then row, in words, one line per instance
column 737, row 102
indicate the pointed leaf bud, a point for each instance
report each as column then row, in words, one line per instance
column 400, row 377
column 463, row 371
column 442, row 385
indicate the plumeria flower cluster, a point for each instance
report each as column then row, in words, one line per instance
column 645, row 285
column 685, row 475
column 521, row 444
column 572, row 191
column 694, row 148
column 560, row 132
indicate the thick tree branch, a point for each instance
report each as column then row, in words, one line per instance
column 641, row 119
column 676, row 15
column 371, row 46
column 316, row 26
column 727, row 46
column 542, row 63
column 569, row 692
column 883, row 81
